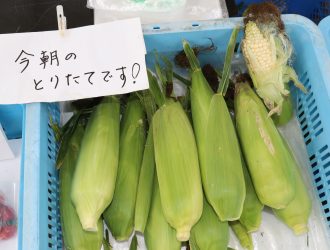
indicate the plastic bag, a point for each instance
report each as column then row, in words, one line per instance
column 136, row 5
column 8, row 220
column 181, row 10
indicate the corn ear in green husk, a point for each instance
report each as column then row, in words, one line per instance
column 119, row 216
column 297, row 212
column 75, row 238
column 177, row 168
column 242, row 235
column 218, row 147
column 145, row 186
column 267, row 50
column 158, row 234
column 177, row 165
column 95, row 175
column 264, row 151
column 252, row 208
column 209, row 232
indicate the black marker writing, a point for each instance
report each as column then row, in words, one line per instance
column 122, row 75
column 24, row 59
column 56, row 80
column 90, row 76
column 135, row 71
column 70, row 55
column 107, row 75
column 36, row 85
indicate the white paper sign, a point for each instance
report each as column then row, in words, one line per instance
column 5, row 150
column 98, row 60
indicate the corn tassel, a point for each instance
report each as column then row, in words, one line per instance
column 159, row 235
column 75, row 238
column 252, row 208
column 297, row 212
column 145, row 186
column 209, row 232
column 218, row 148
column 119, row 216
column 177, row 168
column 242, row 235
column 264, row 150
column 95, row 176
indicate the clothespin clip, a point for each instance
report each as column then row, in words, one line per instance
column 61, row 19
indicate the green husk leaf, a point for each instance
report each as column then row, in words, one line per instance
column 73, row 234
column 119, row 215
column 145, row 186
column 155, row 90
column 223, row 86
column 159, row 235
column 182, row 79
column 134, row 243
column 193, row 61
column 209, row 232
column 242, row 235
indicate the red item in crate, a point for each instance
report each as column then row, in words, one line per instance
column 8, row 221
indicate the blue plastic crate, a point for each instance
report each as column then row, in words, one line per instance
column 11, row 120
column 39, row 225
column 324, row 26
column 315, row 10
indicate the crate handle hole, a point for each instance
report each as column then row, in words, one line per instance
column 156, row 28
column 195, row 25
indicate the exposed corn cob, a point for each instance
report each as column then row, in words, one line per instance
column 264, row 150
column 209, row 232
column 176, row 164
column 218, row 148
column 297, row 212
column 95, row 176
column 242, row 235
column 75, row 238
column 119, row 216
column 252, row 208
column 266, row 50
column 145, row 186
column 159, row 235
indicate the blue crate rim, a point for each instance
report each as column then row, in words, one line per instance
column 324, row 26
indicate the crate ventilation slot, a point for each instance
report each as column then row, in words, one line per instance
column 320, row 162
column 53, row 111
column 53, row 214
column 307, row 113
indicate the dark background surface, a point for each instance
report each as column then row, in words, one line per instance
column 40, row 15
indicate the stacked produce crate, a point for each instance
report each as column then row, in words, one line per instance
column 184, row 167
